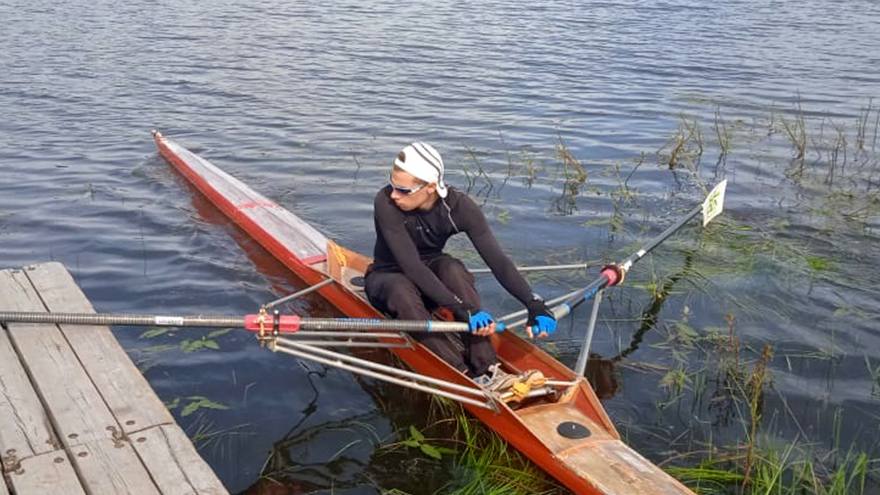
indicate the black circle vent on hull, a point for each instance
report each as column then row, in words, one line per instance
column 570, row 429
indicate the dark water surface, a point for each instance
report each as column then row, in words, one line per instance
column 308, row 104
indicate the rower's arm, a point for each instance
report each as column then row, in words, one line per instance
column 390, row 225
column 472, row 221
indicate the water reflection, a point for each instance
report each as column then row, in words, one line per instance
column 601, row 371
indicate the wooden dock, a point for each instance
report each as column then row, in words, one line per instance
column 76, row 415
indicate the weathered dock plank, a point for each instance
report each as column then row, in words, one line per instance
column 123, row 387
column 25, row 429
column 112, row 466
column 73, row 403
column 176, row 467
column 45, row 473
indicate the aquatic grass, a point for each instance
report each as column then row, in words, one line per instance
column 156, row 331
column 575, row 176
column 755, row 401
column 503, row 216
column 843, row 163
column 205, row 435
column 874, row 372
column 529, row 168
column 684, row 148
column 722, row 133
column 488, row 465
column 862, row 124
column 732, row 248
column 876, row 127
column 675, row 381
column 510, row 164
column 763, row 467
column 838, row 151
column 480, row 460
column 729, row 372
column 790, row 469
column 194, row 403
column 208, row 341
column 430, row 447
column 621, row 197
column 842, row 208
column 480, row 173
column 796, row 130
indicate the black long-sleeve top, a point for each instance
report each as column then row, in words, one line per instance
column 405, row 240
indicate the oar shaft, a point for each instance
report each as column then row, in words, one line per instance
column 121, row 319
column 270, row 323
column 653, row 243
column 563, row 305
column 613, row 274
column 541, row 268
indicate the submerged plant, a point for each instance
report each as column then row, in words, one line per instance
column 479, row 174
column 575, row 177
column 685, row 147
column 194, row 403
column 418, row 441
column 722, row 133
column 204, row 342
column 756, row 400
column 874, row 371
column 796, row 130
column 862, row 125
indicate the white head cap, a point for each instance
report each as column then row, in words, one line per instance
column 423, row 162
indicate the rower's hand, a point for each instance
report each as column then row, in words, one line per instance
column 541, row 321
column 481, row 323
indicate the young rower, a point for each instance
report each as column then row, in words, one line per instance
column 415, row 214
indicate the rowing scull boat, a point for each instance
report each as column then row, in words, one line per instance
column 569, row 436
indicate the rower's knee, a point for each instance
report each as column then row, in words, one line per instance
column 447, row 266
column 395, row 294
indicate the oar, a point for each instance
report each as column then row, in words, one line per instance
column 542, row 268
column 275, row 323
column 267, row 323
column 614, row 274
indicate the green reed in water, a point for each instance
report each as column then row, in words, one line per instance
column 761, row 465
column 480, row 462
column 484, row 462
column 487, row 465
column 787, row 470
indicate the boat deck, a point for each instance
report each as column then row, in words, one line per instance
column 76, row 415
column 603, row 460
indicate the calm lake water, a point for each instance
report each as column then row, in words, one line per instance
column 309, row 104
